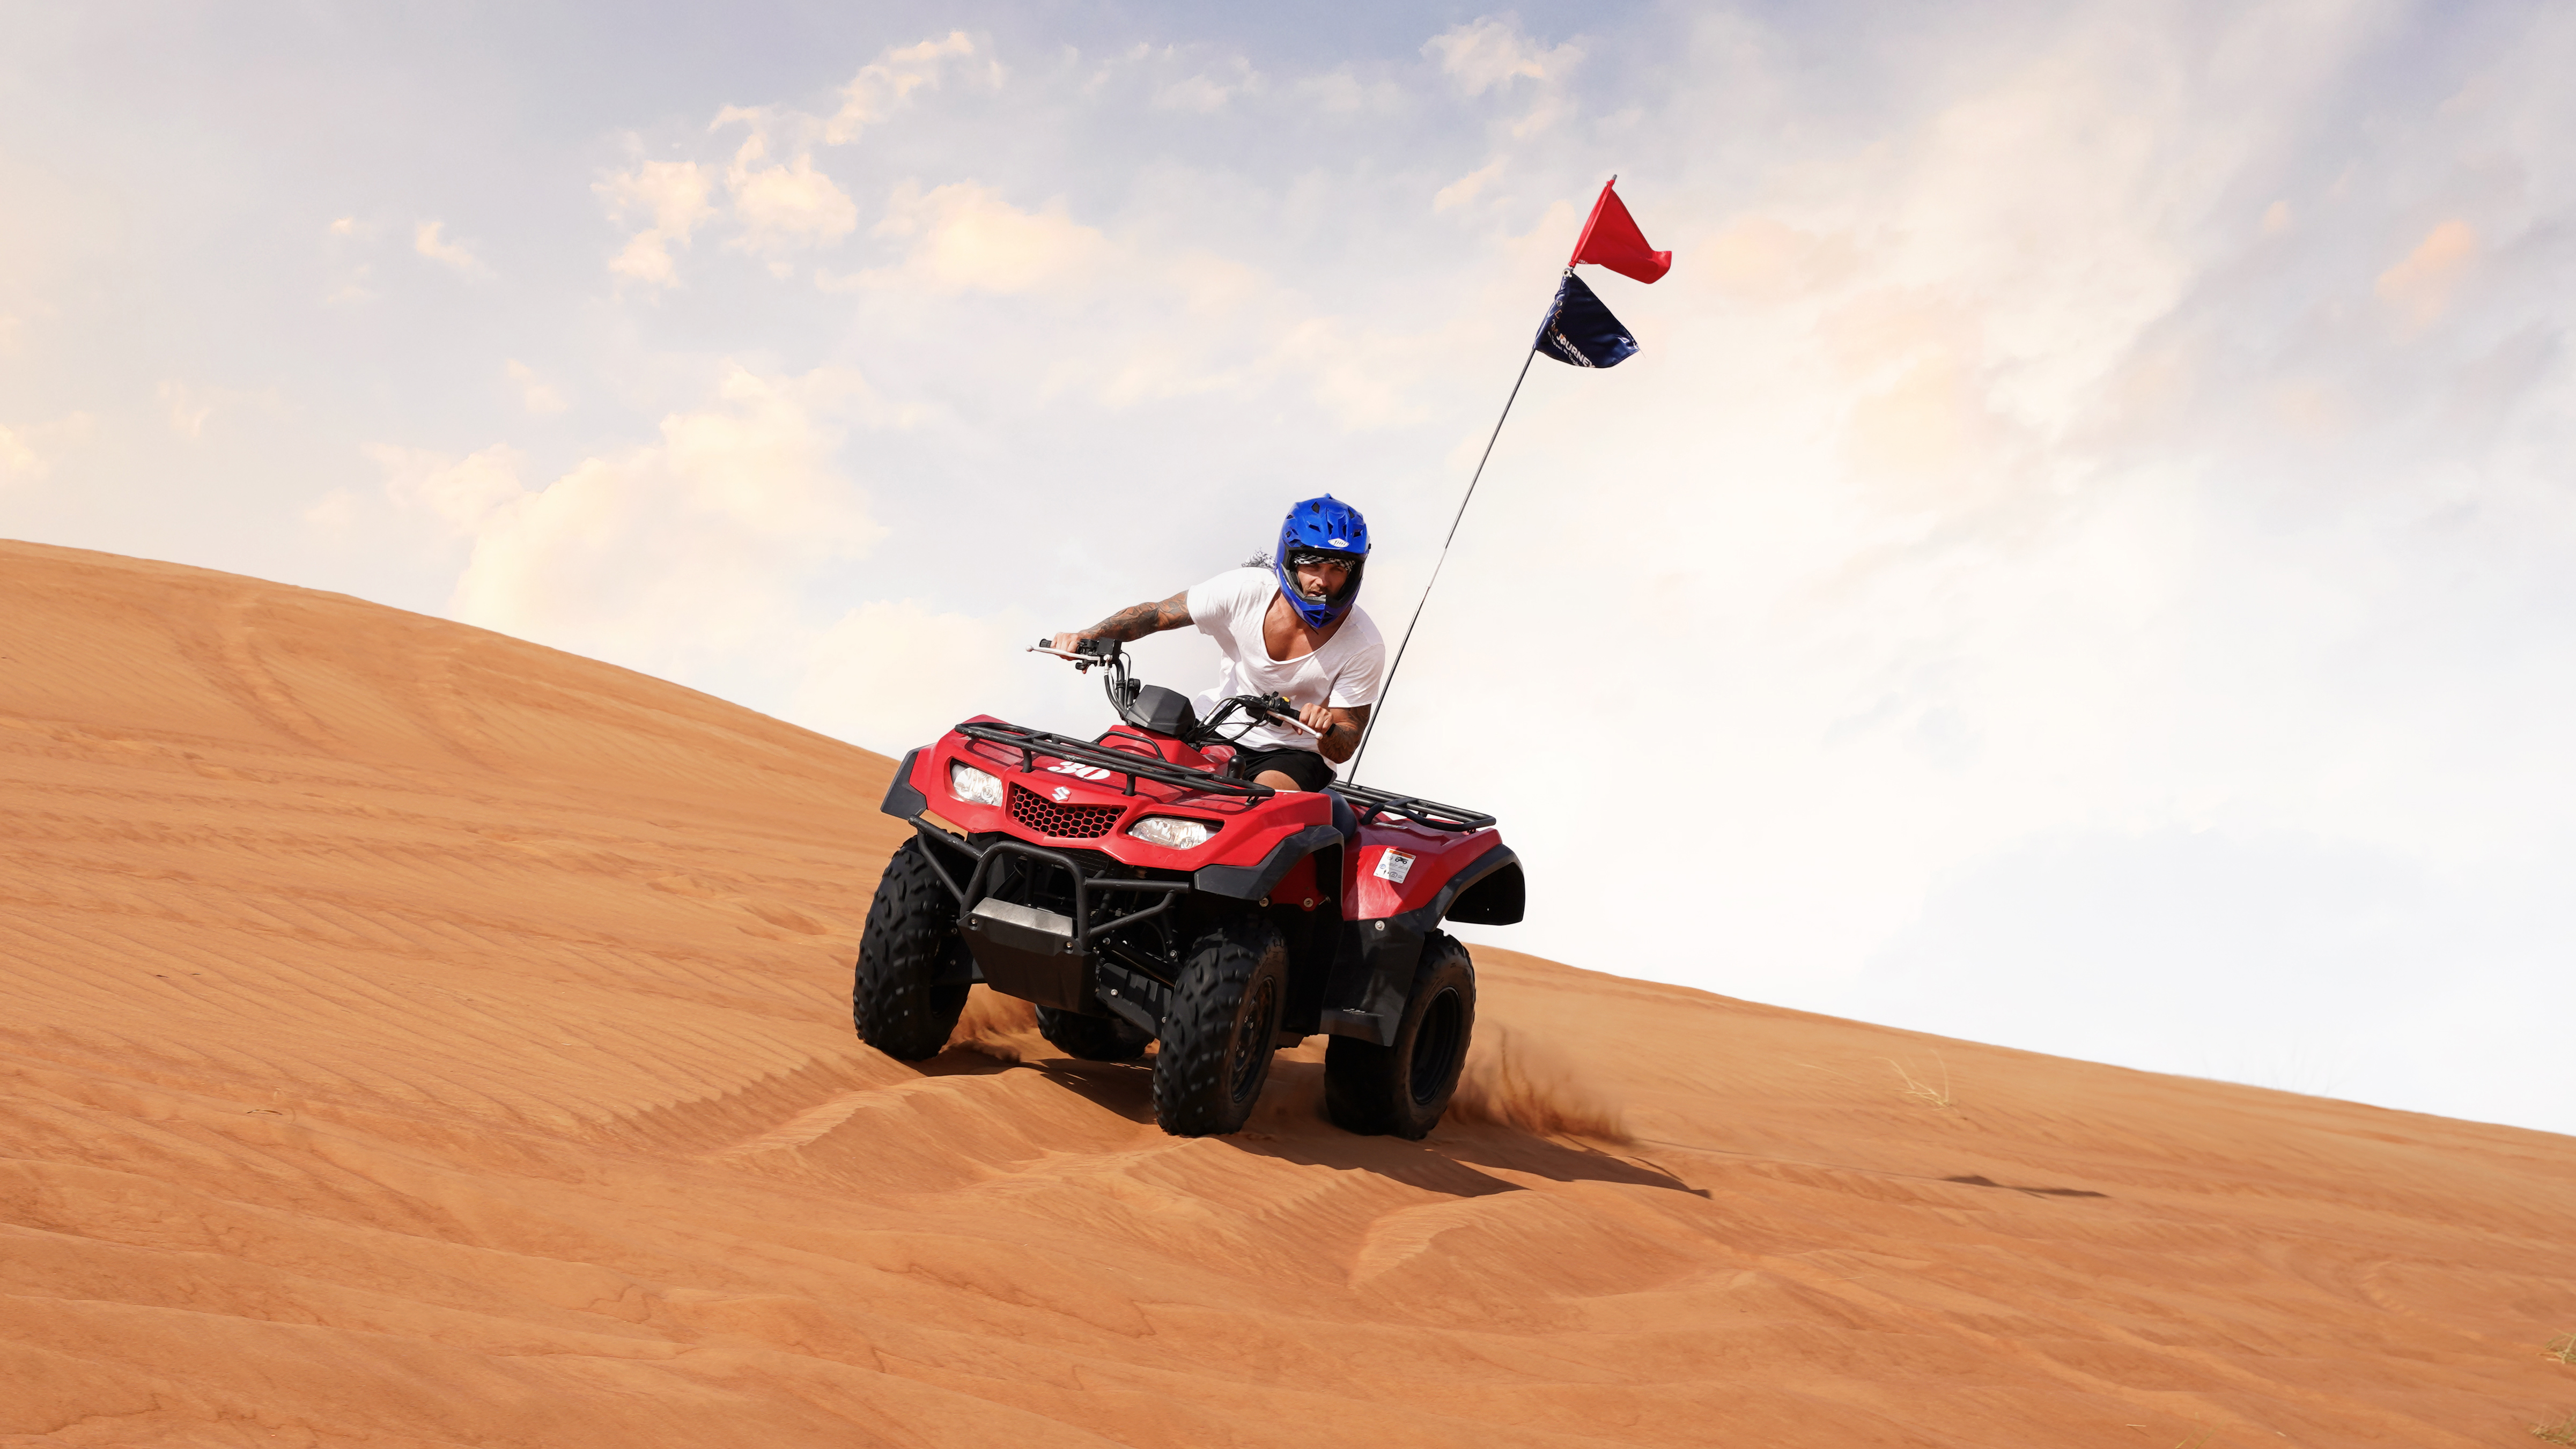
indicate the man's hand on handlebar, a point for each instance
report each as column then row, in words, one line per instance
column 1084, row 649
column 1315, row 717
column 1336, row 730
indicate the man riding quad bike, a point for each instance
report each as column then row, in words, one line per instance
column 1174, row 880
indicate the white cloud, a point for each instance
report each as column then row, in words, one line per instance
column 332, row 514
column 1206, row 93
column 966, row 237
column 784, row 209
column 884, row 86
column 189, row 409
column 18, row 457
column 190, row 406
column 28, row 452
column 673, row 199
column 427, row 240
column 1340, row 92
column 464, row 493
column 1491, row 52
column 2420, row 287
column 687, row 552
column 535, row 393
column 347, row 239
column 1207, row 325
column 1460, row 192
column 354, row 289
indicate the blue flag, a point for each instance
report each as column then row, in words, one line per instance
column 1580, row 331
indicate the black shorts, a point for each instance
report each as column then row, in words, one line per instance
column 1303, row 766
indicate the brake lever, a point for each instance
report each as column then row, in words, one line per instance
column 1081, row 662
column 1286, row 713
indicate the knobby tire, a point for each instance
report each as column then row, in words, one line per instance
column 1221, row 1029
column 911, row 980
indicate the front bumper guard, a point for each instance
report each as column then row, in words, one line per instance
column 1027, row 951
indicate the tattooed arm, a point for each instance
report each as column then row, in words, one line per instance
column 1342, row 728
column 1128, row 625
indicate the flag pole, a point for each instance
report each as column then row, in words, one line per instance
column 1379, row 709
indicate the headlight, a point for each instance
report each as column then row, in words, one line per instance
column 1172, row 832
column 973, row 785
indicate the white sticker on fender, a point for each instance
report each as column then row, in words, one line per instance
column 1393, row 865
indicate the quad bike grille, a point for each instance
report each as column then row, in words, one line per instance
column 1062, row 822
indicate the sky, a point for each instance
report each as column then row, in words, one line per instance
column 2080, row 561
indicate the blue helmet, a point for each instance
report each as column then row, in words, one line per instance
column 1333, row 529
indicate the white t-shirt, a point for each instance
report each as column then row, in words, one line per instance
column 1345, row 673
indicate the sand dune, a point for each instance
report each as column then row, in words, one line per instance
column 410, row 1036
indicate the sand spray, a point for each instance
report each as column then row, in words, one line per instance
column 1516, row 1080
column 1002, row 1027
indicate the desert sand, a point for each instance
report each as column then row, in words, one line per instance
column 413, row 1036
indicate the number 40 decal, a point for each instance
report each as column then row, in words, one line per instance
column 1082, row 772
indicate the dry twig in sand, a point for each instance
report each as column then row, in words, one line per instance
column 2562, row 1432
column 1923, row 1091
column 2561, row 1348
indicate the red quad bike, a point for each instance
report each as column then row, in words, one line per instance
column 1136, row 889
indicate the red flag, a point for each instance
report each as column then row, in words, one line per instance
column 1611, row 239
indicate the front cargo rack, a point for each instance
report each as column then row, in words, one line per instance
column 1430, row 814
column 1034, row 745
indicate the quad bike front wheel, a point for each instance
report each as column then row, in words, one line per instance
column 1401, row 1090
column 1091, row 1038
column 913, row 965
column 1221, row 1029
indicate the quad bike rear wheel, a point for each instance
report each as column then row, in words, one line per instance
column 1221, row 1029
column 1091, row 1038
column 913, row 965
column 1401, row 1090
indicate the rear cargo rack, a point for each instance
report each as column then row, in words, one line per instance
column 1034, row 745
column 1431, row 814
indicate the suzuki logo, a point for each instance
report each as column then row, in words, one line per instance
column 1062, row 794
